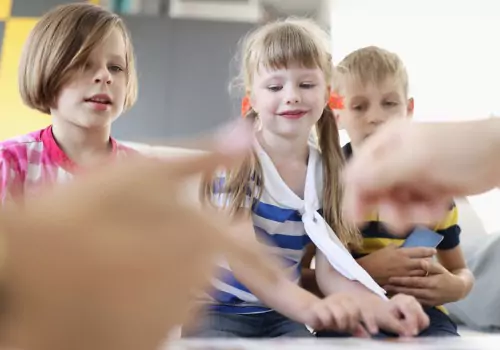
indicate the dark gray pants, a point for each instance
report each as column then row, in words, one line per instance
column 271, row 324
column 441, row 326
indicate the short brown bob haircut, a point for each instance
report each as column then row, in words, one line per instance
column 61, row 43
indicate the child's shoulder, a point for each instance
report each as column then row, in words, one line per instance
column 22, row 140
column 124, row 149
column 17, row 148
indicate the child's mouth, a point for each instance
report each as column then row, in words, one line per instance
column 99, row 102
column 293, row 114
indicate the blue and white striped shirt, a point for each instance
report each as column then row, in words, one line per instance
column 287, row 223
column 275, row 225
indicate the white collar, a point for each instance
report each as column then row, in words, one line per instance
column 315, row 226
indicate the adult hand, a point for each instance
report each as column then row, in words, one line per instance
column 107, row 262
column 410, row 171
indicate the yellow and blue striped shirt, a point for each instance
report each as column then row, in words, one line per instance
column 376, row 235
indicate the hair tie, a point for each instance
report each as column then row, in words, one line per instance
column 245, row 106
column 336, row 101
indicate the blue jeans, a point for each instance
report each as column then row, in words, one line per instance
column 440, row 325
column 214, row 324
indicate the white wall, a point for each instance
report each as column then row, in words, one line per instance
column 452, row 53
column 450, row 48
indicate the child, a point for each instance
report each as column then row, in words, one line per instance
column 286, row 70
column 373, row 84
column 77, row 66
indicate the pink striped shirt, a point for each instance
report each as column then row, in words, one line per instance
column 30, row 161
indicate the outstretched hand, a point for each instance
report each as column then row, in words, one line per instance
column 409, row 172
column 108, row 261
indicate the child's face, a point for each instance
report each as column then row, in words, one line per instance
column 95, row 96
column 289, row 101
column 367, row 106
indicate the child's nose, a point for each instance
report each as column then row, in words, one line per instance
column 103, row 76
column 377, row 116
column 293, row 96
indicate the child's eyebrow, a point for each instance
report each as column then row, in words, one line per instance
column 271, row 81
column 275, row 76
column 358, row 97
column 309, row 76
column 310, row 73
column 118, row 58
column 267, row 76
column 392, row 94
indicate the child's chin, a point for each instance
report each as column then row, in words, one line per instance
column 293, row 133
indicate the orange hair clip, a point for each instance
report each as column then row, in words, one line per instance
column 335, row 102
column 245, row 106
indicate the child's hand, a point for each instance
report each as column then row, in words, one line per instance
column 437, row 288
column 410, row 312
column 402, row 315
column 392, row 261
column 365, row 315
column 342, row 313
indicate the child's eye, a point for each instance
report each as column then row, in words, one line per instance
column 274, row 88
column 390, row 103
column 307, row 85
column 115, row 68
column 357, row 108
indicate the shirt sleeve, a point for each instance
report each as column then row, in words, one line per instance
column 221, row 198
column 449, row 229
column 10, row 180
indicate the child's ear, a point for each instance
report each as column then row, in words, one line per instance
column 410, row 107
column 251, row 99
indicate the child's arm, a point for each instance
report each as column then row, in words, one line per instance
column 307, row 274
column 339, row 312
column 451, row 257
column 284, row 295
column 453, row 260
column 449, row 279
column 330, row 281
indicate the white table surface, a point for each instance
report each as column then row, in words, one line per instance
column 482, row 342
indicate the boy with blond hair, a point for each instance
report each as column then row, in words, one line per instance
column 372, row 84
